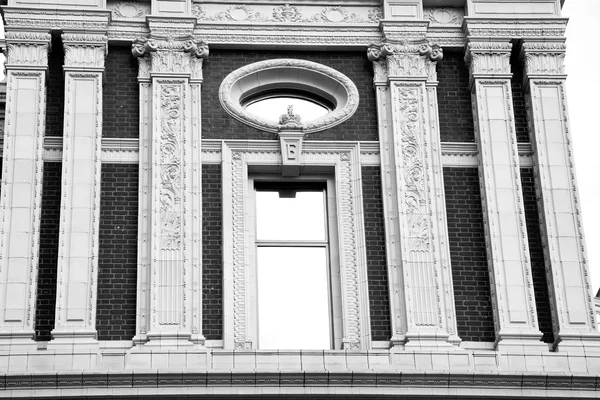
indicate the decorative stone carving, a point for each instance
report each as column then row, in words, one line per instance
column 291, row 14
column 333, row 83
column 239, row 13
column 172, row 56
column 287, row 13
column 544, row 58
column 444, row 15
column 406, row 58
column 129, row 10
column 352, row 264
column 84, row 50
column 488, row 58
column 27, row 48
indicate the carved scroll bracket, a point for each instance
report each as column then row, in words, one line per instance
column 405, row 58
column 171, row 55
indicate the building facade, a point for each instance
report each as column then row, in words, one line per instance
column 135, row 243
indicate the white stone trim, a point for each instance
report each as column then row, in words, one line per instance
column 570, row 289
column 289, row 73
column 237, row 155
column 80, row 211
column 515, row 316
column 20, row 204
column 126, row 151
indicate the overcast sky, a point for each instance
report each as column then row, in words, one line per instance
column 583, row 85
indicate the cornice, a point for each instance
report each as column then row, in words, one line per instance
column 268, row 36
column 125, row 150
column 513, row 28
column 383, row 382
column 88, row 20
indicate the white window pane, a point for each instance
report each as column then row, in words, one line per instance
column 293, row 299
column 272, row 108
column 298, row 218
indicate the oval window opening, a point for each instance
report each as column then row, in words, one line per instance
column 272, row 105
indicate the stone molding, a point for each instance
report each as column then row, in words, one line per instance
column 56, row 19
column 507, row 28
column 544, row 59
column 376, row 372
column 126, row 151
column 406, row 58
column 84, row 51
column 236, row 155
column 331, row 82
column 168, row 56
column 286, row 13
column 488, row 59
column 27, row 50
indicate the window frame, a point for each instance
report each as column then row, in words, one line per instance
column 341, row 161
column 326, row 181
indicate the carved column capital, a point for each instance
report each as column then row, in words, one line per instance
column 27, row 50
column 544, row 59
column 85, row 51
column 406, row 58
column 182, row 55
column 488, row 59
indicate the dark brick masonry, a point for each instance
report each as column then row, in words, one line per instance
column 454, row 99
column 518, row 95
column 474, row 315
column 48, row 259
column 212, row 266
column 536, row 254
column 117, row 261
column 55, row 89
column 376, row 260
column 217, row 124
column 121, row 94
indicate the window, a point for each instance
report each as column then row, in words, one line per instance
column 297, row 292
column 268, row 81
column 271, row 105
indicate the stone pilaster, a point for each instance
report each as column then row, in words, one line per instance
column 515, row 315
column 80, row 193
column 562, row 234
column 421, row 292
column 20, row 204
column 170, row 272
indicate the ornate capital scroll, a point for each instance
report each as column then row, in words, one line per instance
column 27, row 49
column 406, row 58
column 488, row 59
column 85, row 50
column 544, row 58
column 181, row 55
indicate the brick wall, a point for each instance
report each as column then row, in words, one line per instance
column 117, row 260
column 212, row 265
column 454, row 99
column 536, row 254
column 55, row 89
column 379, row 300
column 48, row 260
column 120, row 95
column 518, row 95
column 217, row 124
column 474, row 315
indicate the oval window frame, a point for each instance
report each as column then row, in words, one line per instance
column 292, row 74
